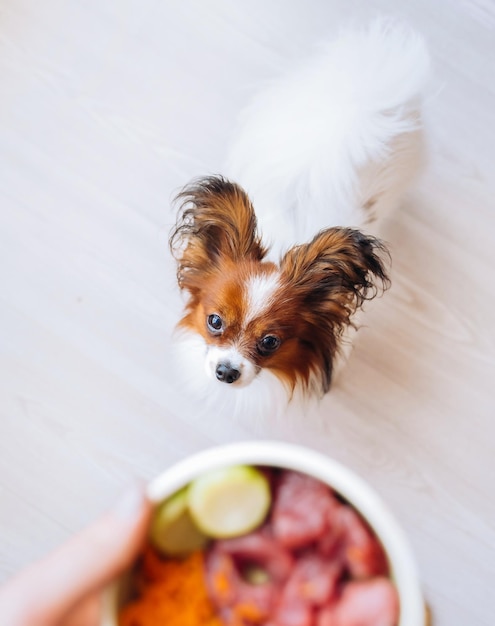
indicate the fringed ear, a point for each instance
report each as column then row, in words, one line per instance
column 215, row 220
column 336, row 273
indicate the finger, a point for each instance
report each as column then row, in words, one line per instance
column 85, row 613
column 83, row 565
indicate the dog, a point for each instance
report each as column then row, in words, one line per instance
column 277, row 266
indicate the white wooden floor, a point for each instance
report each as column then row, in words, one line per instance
column 107, row 107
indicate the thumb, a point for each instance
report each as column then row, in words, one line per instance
column 47, row 590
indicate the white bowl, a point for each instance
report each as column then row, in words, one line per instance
column 341, row 479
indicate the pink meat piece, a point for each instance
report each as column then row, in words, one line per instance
column 259, row 599
column 260, row 548
column 371, row 602
column 293, row 613
column 313, row 581
column 332, row 543
column 363, row 553
column 222, row 579
column 237, row 600
column 300, row 510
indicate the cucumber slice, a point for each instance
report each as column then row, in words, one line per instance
column 229, row 502
column 173, row 532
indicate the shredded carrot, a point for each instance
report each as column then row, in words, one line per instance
column 171, row 593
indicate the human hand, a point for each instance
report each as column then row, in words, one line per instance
column 64, row 588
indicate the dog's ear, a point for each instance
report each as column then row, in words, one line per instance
column 215, row 220
column 336, row 273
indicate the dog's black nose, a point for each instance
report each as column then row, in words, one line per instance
column 226, row 373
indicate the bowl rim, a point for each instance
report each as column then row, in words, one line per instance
column 300, row 458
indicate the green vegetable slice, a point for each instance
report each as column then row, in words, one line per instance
column 229, row 502
column 173, row 531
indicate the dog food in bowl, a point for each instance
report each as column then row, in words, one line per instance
column 254, row 545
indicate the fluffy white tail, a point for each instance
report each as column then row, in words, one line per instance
column 336, row 140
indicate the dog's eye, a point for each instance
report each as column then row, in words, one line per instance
column 214, row 323
column 268, row 344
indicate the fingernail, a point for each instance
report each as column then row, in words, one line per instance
column 131, row 503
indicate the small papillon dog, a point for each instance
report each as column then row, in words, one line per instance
column 277, row 270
